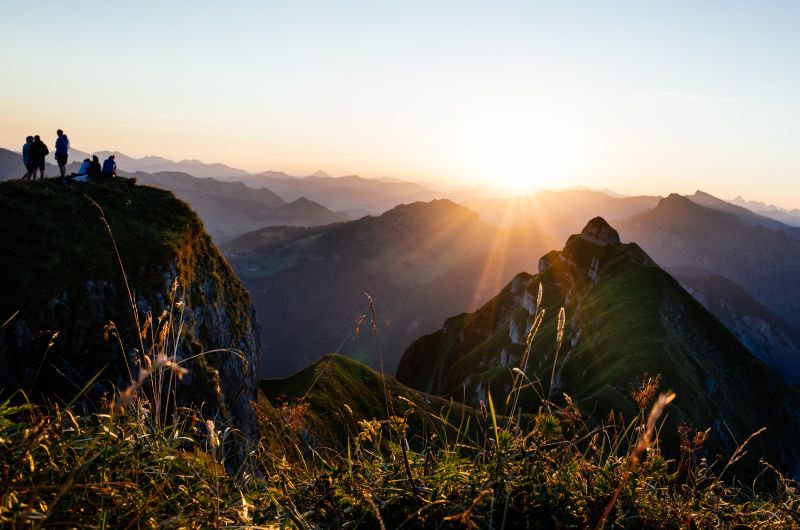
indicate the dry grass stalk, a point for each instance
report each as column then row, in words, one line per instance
column 644, row 442
column 465, row 517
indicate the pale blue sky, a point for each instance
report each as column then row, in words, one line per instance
column 641, row 97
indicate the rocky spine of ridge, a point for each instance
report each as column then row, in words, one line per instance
column 625, row 317
column 62, row 276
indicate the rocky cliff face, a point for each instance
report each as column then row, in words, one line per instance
column 61, row 287
column 625, row 318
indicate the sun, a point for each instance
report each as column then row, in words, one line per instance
column 514, row 182
column 513, row 157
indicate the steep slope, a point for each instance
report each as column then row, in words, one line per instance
column 625, row 317
column 60, row 274
column 763, row 261
column 420, row 262
column 763, row 332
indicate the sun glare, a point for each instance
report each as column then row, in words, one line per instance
column 512, row 153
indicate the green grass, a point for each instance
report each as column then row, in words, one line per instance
column 59, row 239
column 120, row 470
column 634, row 319
column 63, row 276
column 341, row 445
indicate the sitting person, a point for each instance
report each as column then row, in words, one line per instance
column 109, row 167
column 84, row 169
column 94, row 168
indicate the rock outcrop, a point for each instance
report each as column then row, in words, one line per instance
column 72, row 330
column 599, row 232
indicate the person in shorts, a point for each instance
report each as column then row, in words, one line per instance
column 38, row 151
column 62, row 151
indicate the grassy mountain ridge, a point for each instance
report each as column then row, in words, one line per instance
column 625, row 317
column 329, row 397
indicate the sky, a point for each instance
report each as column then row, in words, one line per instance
column 638, row 97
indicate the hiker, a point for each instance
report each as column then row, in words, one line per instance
column 110, row 167
column 94, row 168
column 83, row 171
column 26, row 158
column 38, row 151
column 62, row 149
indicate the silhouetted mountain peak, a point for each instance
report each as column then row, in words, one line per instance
column 435, row 208
column 677, row 203
column 598, row 231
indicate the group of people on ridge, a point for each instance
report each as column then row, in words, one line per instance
column 35, row 150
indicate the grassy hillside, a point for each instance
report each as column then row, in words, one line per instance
column 327, row 399
column 415, row 469
column 625, row 318
column 79, row 326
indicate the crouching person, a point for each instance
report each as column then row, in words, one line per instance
column 109, row 167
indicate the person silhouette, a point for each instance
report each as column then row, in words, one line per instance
column 62, row 151
column 94, row 168
column 30, row 169
column 110, row 167
column 38, row 152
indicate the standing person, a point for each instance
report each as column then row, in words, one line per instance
column 62, row 149
column 26, row 158
column 38, row 151
column 110, row 167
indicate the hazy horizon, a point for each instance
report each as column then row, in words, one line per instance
column 637, row 99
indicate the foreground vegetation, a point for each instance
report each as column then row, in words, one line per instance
column 344, row 447
column 120, row 469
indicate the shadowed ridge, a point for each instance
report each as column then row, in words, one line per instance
column 625, row 316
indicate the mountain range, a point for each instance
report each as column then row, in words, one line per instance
column 419, row 262
column 353, row 194
column 725, row 253
column 228, row 208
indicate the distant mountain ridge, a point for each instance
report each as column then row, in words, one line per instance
column 230, row 209
column 420, row 262
column 704, row 199
column 348, row 193
column 785, row 215
column 679, row 233
column 157, row 164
